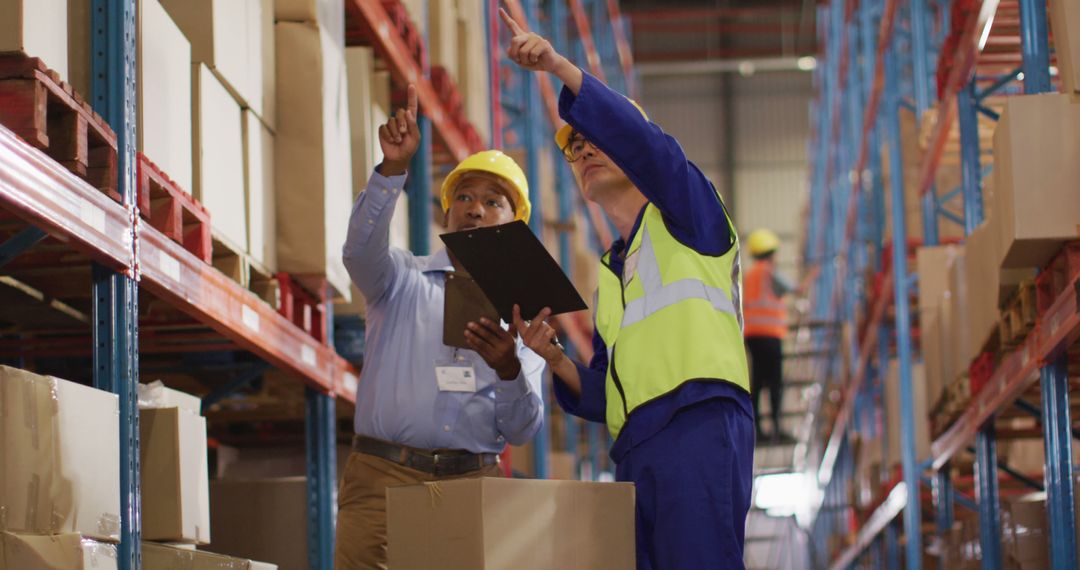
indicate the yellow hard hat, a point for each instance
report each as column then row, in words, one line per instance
column 762, row 241
column 499, row 164
column 562, row 136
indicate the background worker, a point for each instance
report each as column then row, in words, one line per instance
column 419, row 399
column 669, row 375
column 765, row 326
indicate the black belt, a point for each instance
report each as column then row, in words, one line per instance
column 440, row 462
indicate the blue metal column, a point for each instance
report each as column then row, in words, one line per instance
column 418, row 184
column 913, row 510
column 943, row 504
column 1057, row 428
column 116, row 297
column 986, row 485
column 1035, row 46
column 320, row 433
column 969, row 157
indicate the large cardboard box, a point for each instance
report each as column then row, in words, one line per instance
column 893, row 411
column 933, row 355
column 328, row 14
column 156, row 395
column 1025, row 531
column 1036, row 173
column 227, row 36
column 263, row 519
column 932, row 263
column 55, row 552
column 442, row 36
column 37, row 28
column 1065, row 24
column 269, row 65
column 473, row 79
column 165, row 557
column 955, row 315
column 164, row 93
column 259, row 191
column 175, row 498
column 491, row 523
column 982, row 279
column 218, row 152
column 61, row 447
column 313, row 160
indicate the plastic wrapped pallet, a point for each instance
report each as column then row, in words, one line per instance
column 259, row 191
column 1035, row 170
column 37, row 28
column 218, row 151
column 227, row 36
column 55, row 552
column 164, row 93
column 313, row 171
column 61, row 447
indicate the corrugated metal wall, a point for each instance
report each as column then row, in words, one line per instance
column 769, row 131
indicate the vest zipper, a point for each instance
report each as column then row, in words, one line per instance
column 614, row 369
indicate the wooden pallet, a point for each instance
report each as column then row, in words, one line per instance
column 1018, row 316
column 48, row 114
column 303, row 308
column 172, row 210
column 1055, row 277
column 954, row 400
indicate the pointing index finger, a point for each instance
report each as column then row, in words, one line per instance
column 413, row 105
column 510, row 22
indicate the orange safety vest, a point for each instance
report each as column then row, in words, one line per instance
column 764, row 314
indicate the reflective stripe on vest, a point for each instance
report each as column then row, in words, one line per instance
column 674, row 317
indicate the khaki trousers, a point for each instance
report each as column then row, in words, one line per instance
column 361, row 520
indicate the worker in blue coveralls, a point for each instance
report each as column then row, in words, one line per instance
column 669, row 374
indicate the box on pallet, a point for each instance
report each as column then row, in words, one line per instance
column 1024, row 532
column 1065, row 23
column 176, row 496
column 473, row 63
column 61, row 447
column 328, row 14
column 55, row 552
column 259, row 191
column 982, row 277
column 442, row 40
column 892, row 413
column 37, row 28
column 932, row 265
column 1035, row 166
column 229, row 37
column 164, row 93
column 164, row 557
column 491, row 523
column 263, row 519
column 218, row 152
column 312, row 165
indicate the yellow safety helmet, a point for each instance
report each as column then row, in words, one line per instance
column 762, row 241
column 562, row 136
column 499, row 164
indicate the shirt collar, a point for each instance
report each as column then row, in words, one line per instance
column 439, row 261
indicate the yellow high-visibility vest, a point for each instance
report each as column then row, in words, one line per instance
column 674, row 317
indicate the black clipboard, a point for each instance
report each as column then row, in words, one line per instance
column 464, row 303
column 513, row 267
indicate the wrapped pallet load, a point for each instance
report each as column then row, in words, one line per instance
column 313, row 160
column 55, row 552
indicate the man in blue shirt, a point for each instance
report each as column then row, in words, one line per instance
column 426, row 411
column 689, row 451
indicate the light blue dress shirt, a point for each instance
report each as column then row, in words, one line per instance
column 398, row 398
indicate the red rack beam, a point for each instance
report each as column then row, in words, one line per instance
column 622, row 45
column 405, row 69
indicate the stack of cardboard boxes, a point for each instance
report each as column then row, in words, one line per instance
column 59, row 480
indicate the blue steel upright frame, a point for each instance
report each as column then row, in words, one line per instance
column 115, row 296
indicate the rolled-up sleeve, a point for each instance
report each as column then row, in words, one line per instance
column 591, row 405
column 519, row 405
column 367, row 255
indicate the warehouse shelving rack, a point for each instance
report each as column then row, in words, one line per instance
column 860, row 95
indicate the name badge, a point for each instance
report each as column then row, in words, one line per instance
column 456, row 378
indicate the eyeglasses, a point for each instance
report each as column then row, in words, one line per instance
column 575, row 147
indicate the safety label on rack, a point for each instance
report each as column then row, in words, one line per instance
column 250, row 318
column 92, row 216
column 307, row 354
column 169, row 265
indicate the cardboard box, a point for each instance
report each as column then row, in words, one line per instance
column 892, row 407
column 259, row 191
column 933, row 355
column 262, row 519
column 164, row 93
column 1035, row 166
column 1025, row 530
column 61, row 447
column 932, row 264
column 218, row 152
column 491, row 523
column 442, row 36
column 474, row 82
column 982, row 278
column 175, row 498
column 1065, row 25
column 313, row 159
column 562, row 465
column 227, row 36
column 165, row 557
column 55, row 552
column 328, row 14
column 37, row 28
column 269, row 65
